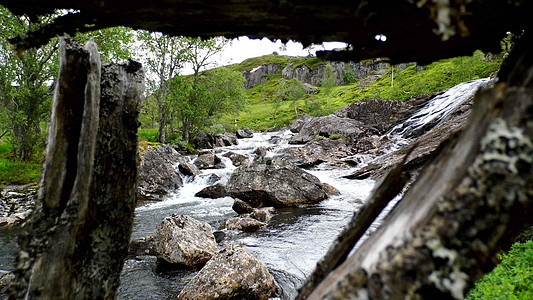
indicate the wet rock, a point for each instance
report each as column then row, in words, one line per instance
column 204, row 140
column 225, row 139
column 317, row 152
column 299, row 123
column 274, row 182
column 141, row 247
column 244, row 133
column 244, row 223
column 263, row 214
column 6, row 278
column 231, row 274
column 16, row 204
column 260, row 152
column 382, row 114
column 242, row 207
column 210, row 178
column 219, row 236
column 330, row 190
column 183, row 240
column 212, row 192
column 208, row 160
column 236, row 159
column 327, row 126
column 157, row 174
column 188, row 169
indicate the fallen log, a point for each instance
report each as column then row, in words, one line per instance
column 470, row 201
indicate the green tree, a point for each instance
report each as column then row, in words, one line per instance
column 328, row 82
column 26, row 85
column 201, row 101
column 292, row 90
column 164, row 59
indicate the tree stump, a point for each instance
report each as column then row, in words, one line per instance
column 76, row 241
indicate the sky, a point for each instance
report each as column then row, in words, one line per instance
column 243, row 48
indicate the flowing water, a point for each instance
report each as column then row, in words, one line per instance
column 294, row 240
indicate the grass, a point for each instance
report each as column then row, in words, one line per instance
column 511, row 279
column 262, row 111
column 16, row 172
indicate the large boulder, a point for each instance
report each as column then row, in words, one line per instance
column 183, row 240
column 157, row 172
column 274, row 182
column 204, row 140
column 242, row 207
column 327, row 126
column 231, row 274
column 319, row 151
column 212, row 192
column 208, row 160
column 188, row 169
column 244, row 133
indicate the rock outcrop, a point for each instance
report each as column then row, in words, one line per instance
column 183, row 240
column 314, row 76
column 188, row 169
column 274, row 182
column 231, row 274
column 257, row 75
column 157, row 174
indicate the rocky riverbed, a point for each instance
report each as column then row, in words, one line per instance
column 271, row 202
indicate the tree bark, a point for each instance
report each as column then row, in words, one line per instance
column 467, row 204
column 76, row 240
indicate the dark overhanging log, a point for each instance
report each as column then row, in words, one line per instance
column 421, row 31
column 76, row 241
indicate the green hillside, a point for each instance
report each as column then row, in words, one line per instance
column 265, row 111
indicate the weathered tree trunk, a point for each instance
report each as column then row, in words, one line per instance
column 467, row 204
column 76, row 241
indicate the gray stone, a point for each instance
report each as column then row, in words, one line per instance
column 6, row 278
column 244, row 133
column 188, row 169
column 231, row 274
column 242, row 207
column 274, row 182
column 244, row 224
column 208, row 160
column 212, row 192
column 157, row 174
column 183, row 240
column 263, row 214
column 257, row 75
column 142, row 247
column 236, row 159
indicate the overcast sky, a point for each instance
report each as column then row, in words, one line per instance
column 243, row 48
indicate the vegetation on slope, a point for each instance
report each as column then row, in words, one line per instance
column 263, row 111
column 511, row 279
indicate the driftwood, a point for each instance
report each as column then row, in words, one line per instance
column 467, row 204
column 76, row 241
